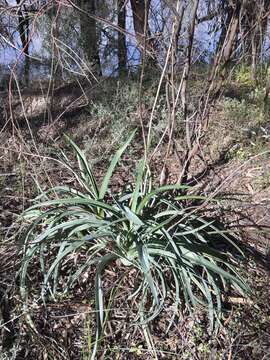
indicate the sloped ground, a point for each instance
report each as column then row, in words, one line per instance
column 236, row 167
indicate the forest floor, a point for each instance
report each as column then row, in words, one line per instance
column 235, row 165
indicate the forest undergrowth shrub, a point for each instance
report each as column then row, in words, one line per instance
column 252, row 92
column 116, row 107
column 243, row 112
column 243, row 75
column 120, row 111
column 178, row 253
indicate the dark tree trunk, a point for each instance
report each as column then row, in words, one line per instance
column 122, row 49
column 89, row 34
column 230, row 29
column 227, row 40
column 23, row 27
column 254, row 26
column 140, row 11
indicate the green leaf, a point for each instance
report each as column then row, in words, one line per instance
column 145, row 264
column 138, row 185
column 131, row 216
column 157, row 191
column 87, row 176
column 105, row 261
column 77, row 201
column 114, row 162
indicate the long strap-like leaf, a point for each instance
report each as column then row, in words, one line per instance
column 86, row 171
column 115, row 159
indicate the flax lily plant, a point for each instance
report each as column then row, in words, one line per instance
column 153, row 230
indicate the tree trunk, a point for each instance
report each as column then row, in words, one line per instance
column 23, row 28
column 190, row 133
column 254, row 25
column 89, row 35
column 140, row 12
column 122, row 49
column 227, row 41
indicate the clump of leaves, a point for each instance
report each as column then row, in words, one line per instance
column 153, row 230
column 243, row 75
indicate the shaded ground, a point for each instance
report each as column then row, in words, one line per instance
column 234, row 166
